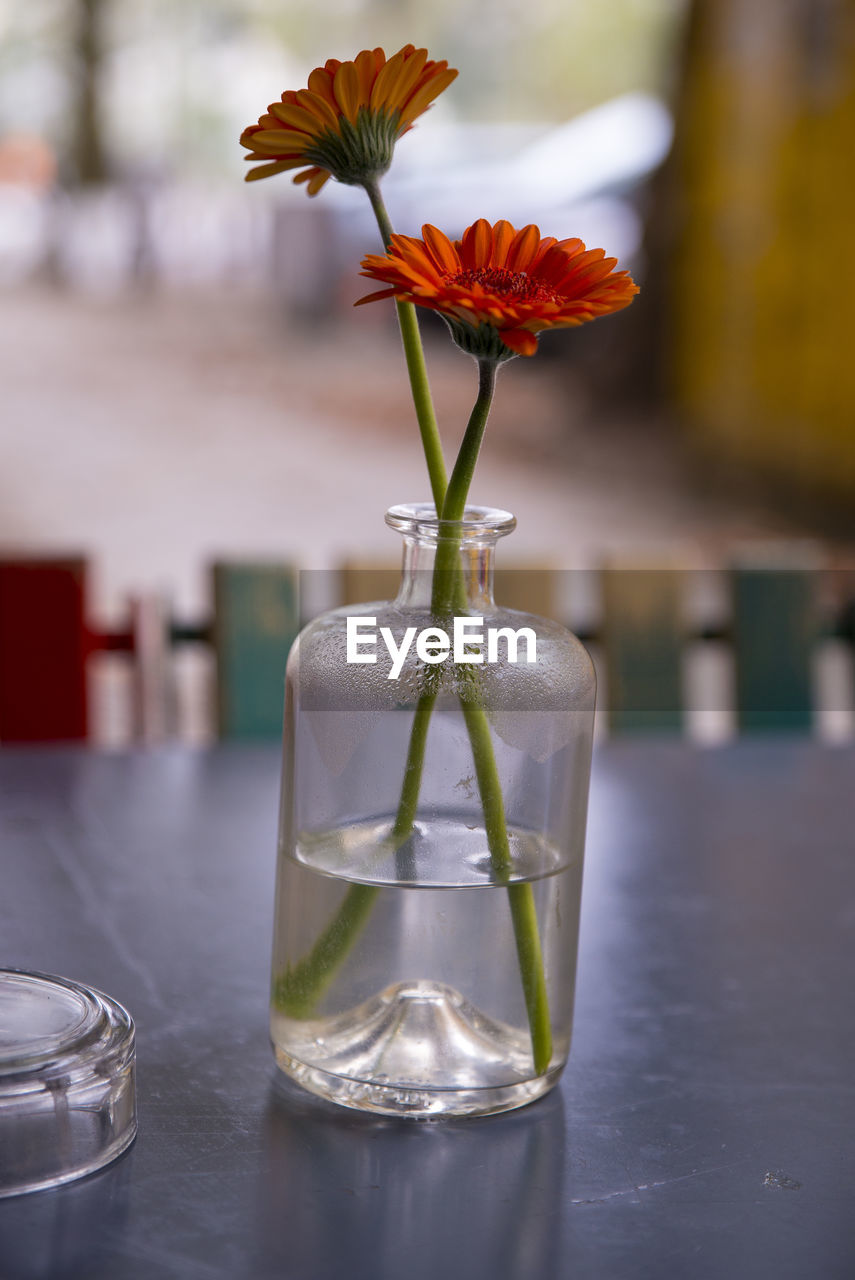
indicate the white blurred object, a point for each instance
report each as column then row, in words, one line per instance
column 609, row 148
column 96, row 240
column 24, row 217
column 204, row 233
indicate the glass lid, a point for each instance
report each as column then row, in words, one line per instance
column 67, row 1089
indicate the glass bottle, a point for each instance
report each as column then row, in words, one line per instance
column 436, row 764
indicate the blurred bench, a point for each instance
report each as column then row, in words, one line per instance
column 47, row 644
column 782, row 602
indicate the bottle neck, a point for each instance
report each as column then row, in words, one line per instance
column 462, row 552
column 417, row 578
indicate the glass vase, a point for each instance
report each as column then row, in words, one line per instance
column 436, row 763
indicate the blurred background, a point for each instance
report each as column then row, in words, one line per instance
column 184, row 376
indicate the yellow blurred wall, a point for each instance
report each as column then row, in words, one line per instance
column 763, row 310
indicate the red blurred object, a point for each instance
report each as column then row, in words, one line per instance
column 44, row 644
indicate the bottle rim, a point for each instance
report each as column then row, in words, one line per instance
column 419, row 520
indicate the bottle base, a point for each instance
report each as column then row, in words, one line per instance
column 416, row 1049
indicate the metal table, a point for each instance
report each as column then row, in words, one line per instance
column 703, row 1129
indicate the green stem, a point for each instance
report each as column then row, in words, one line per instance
column 300, row 987
column 409, row 801
column 520, row 896
column 416, row 368
column 464, row 468
column 447, row 586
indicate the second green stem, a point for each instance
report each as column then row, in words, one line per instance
column 520, row 895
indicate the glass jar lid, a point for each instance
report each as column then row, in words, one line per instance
column 67, row 1089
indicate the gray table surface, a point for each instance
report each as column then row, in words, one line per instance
column 703, row 1129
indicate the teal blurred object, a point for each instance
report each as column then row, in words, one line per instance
column 775, row 627
column 256, row 619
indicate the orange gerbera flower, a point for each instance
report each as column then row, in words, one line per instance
column 346, row 123
column 497, row 288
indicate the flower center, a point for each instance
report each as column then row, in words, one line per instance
column 516, row 286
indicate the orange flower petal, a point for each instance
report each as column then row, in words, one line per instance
column 587, row 258
column 540, row 253
column 320, row 83
column 403, row 245
column 522, row 248
column 273, row 141
column 346, row 89
column 286, row 162
column 571, row 247
column 419, row 102
column 295, row 117
column 520, row 341
column 406, row 78
column 476, row 247
column 375, row 297
column 267, row 170
column 314, row 179
column 380, row 92
column 419, row 269
column 366, row 73
column 503, row 234
column 317, row 180
column 318, row 108
column 440, row 248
